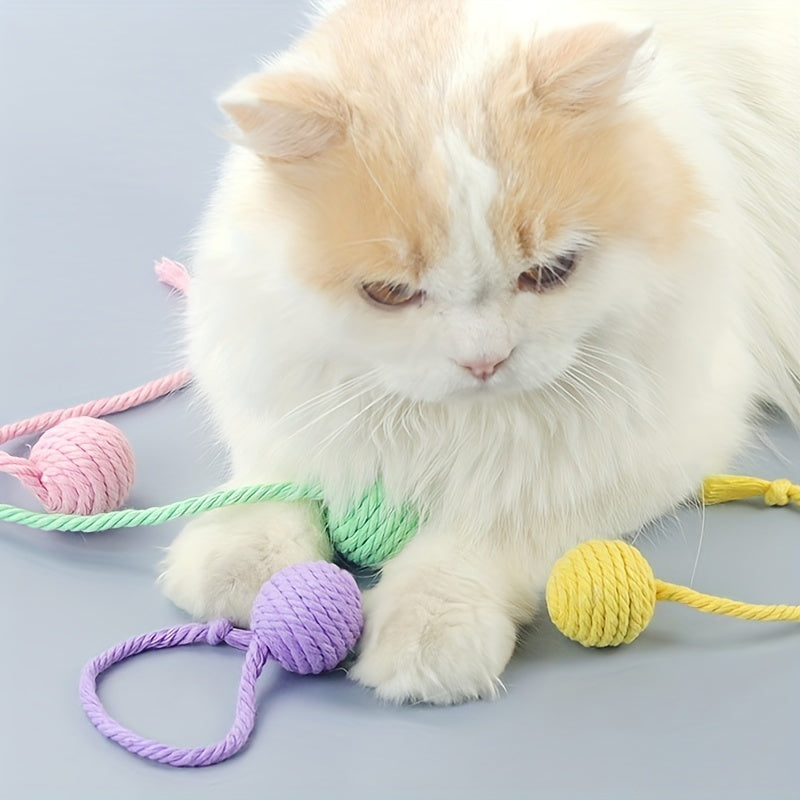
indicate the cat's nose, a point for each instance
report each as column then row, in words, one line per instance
column 483, row 368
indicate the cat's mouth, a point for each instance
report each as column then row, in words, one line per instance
column 485, row 389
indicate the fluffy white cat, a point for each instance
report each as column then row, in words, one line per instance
column 533, row 265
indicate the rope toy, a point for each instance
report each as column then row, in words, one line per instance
column 83, row 465
column 603, row 593
column 307, row 618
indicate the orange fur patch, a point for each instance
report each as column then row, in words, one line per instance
column 608, row 172
column 374, row 206
column 369, row 212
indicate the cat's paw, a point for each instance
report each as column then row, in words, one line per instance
column 219, row 562
column 423, row 646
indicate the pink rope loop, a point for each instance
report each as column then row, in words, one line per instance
column 83, row 465
column 97, row 408
column 170, row 273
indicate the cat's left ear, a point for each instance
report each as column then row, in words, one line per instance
column 285, row 117
column 588, row 68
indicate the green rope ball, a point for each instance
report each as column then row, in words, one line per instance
column 370, row 531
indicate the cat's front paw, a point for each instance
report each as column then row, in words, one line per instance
column 425, row 646
column 219, row 562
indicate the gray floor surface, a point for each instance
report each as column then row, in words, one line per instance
column 108, row 150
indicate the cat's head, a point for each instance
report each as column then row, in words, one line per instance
column 465, row 219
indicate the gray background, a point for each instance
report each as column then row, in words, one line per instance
column 109, row 146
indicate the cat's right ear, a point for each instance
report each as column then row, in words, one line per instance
column 285, row 117
column 590, row 67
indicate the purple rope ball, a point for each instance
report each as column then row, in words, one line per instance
column 308, row 616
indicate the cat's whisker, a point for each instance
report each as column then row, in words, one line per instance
column 603, row 355
column 392, row 419
column 666, row 454
column 591, row 361
column 377, row 184
column 327, row 395
column 700, row 541
column 383, row 431
column 580, row 381
column 333, row 435
column 602, row 379
column 575, row 400
column 349, row 399
column 499, row 688
column 386, row 420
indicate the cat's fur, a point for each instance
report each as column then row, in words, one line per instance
column 451, row 146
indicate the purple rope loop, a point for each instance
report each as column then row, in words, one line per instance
column 213, row 633
column 307, row 617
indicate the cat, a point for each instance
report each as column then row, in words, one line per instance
column 534, row 265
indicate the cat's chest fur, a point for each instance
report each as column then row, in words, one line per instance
column 579, row 459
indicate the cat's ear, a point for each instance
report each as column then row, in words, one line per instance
column 589, row 67
column 285, row 117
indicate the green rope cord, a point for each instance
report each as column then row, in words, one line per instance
column 134, row 518
column 368, row 533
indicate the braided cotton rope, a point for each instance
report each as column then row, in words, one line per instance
column 98, row 408
column 603, row 593
column 134, row 518
column 369, row 532
column 307, row 618
column 722, row 488
column 83, row 465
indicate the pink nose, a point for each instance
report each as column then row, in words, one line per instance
column 482, row 368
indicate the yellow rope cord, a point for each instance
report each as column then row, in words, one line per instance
column 724, row 606
column 603, row 593
column 722, row 488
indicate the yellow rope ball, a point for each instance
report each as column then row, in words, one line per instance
column 601, row 593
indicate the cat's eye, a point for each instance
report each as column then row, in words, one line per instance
column 391, row 294
column 548, row 275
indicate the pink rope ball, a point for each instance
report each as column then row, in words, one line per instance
column 86, row 466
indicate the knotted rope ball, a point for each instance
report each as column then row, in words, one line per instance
column 307, row 618
column 84, row 466
column 371, row 530
column 603, row 593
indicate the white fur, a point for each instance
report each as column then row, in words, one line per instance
column 611, row 408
